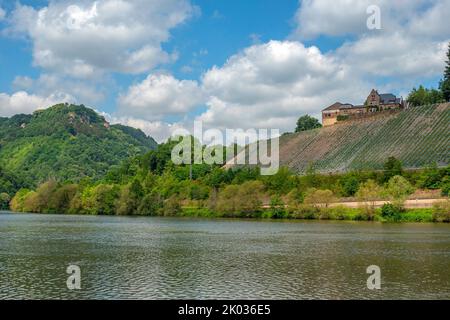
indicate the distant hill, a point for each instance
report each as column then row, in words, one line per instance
column 67, row 142
column 417, row 136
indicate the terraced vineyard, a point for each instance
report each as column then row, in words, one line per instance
column 418, row 137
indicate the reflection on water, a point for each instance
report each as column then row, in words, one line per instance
column 157, row 258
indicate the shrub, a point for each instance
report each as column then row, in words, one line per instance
column 306, row 212
column 445, row 186
column 319, row 198
column 150, row 205
column 341, row 212
column 324, row 214
column 441, row 211
column 171, row 207
column 277, row 208
column 392, row 212
column 294, row 199
column 364, row 216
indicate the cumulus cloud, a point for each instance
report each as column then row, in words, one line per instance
column 349, row 17
column 394, row 55
column 89, row 92
column 270, row 85
column 158, row 130
column 411, row 41
column 160, row 95
column 23, row 102
column 90, row 37
column 433, row 22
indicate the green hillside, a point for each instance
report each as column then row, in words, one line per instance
column 67, row 142
column 417, row 136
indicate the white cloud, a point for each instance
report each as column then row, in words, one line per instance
column 92, row 37
column 23, row 82
column 272, row 84
column 349, row 17
column 411, row 43
column 23, row 102
column 158, row 130
column 394, row 55
column 432, row 23
column 160, row 95
column 2, row 14
column 87, row 92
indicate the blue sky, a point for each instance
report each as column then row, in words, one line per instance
column 160, row 65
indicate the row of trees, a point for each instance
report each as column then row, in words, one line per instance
column 423, row 96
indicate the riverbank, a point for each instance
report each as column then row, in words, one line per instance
column 440, row 212
column 334, row 213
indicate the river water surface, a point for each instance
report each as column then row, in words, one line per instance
column 171, row 258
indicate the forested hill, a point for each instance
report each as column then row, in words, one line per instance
column 418, row 137
column 67, row 142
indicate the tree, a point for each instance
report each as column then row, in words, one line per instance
column 41, row 200
column 294, row 198
column 62, row 198
column 392, row 167
column 17, row 203
column 430, row 178
column 445, row 186
column 423, row 96
column 226, row 202
column 445, row 83
column 369, row 192
column 249, row 197
column 100, row 200
column 307, row 122
column 4, row 201
column 399, row 188
column 235, row 200
column 349, row 184
column 281, row 183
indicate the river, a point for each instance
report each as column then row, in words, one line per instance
column 171, row 258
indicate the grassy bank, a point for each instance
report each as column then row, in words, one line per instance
column 339, row 213
column 332, row 214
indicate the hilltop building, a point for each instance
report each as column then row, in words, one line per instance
column 375, row 102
